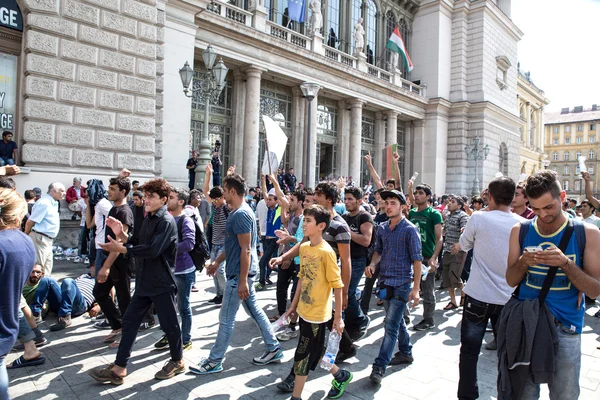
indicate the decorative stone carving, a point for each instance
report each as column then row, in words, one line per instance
column 316, row 18
column 359, row 36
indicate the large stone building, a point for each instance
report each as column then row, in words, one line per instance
column 94, row 87
column 570, row 134
column 530, row 103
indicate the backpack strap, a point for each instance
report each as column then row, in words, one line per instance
column 580, row 238
column 564, row 242
column 180, row 227
column 523, row 232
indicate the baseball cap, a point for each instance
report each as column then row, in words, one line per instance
column 38, row 192
column 385, row 194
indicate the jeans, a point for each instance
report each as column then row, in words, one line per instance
column 219, row 278
column 284, row 278
column 474, row 322
column 184, row 288
column 568, row 365
column 119, row 278
column 6, row 161
column 64, row 299
column 270, row 248
column 48, row 289
column 368, row 292
column 395, row 328
column 100, row 258
column 354, row 316
column 428, row 294
column 229, row 308
column 26, row 334
column 136, row 312
column 3, row 379
column 83, row 240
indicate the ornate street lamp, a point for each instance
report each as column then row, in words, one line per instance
column 546, row 163
column 478, row 154
column 210, row 84
column 309, row 90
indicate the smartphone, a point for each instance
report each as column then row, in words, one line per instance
column 533, row 249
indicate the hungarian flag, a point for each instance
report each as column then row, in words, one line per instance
column 396, row 44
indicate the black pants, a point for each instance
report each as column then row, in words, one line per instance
column 284, row 278
column 474, row 322
column 137, row 310
column 367, row 292
column 120, row 278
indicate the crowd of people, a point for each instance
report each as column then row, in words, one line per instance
column 519, row 257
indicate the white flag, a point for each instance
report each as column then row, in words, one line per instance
column 276, row 140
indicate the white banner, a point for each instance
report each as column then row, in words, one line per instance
column 276, row 142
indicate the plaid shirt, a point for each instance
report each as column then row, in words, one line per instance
column 398, row 247
column 452, row 228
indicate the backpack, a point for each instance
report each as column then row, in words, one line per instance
column 371, row 248
column 579, row 231
column 96, row 192
column 200, row 253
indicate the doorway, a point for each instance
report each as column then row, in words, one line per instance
column 325, row 161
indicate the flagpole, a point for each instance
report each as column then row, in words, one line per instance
column 268, row 153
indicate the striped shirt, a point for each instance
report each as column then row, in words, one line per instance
column 398, row 248
column 453, row 226
column 218, row 225
column 85, row 284
column 337, row 232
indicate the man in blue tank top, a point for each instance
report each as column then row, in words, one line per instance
column 577, row 274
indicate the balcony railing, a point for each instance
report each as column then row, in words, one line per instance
column 288, row 35
column 230, row 12
column 340, row 56
column 380, row 73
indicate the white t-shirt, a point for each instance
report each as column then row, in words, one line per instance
column 488, row 234
column 100, row 216
column 592, row 219
column 261, row 214
column 192, row 212
column 82, row 206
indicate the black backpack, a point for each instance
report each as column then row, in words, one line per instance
column 200, row 253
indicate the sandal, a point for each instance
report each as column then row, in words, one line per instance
column 112, row 337
column 380, row 303
column 115, row 344
column 105, row 374
column 450, row 306
column 22, row 362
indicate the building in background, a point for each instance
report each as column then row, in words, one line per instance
column 95, row 87
column 570, row 134
column 530, row 103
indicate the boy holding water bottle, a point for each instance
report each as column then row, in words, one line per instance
column 319, row 273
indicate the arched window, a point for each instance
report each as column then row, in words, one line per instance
column 371, row 32
column 405, row 32
column 333, row 22
column 555, row 156
column 390, row 24
column 591, row 155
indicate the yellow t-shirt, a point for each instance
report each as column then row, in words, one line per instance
column 320, row 273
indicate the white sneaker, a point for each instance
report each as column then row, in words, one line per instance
column 287, row 334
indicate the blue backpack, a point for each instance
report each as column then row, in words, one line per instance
column 96, row 192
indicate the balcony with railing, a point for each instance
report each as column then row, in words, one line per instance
column 289, row 35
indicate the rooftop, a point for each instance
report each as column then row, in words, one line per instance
column 575, row 114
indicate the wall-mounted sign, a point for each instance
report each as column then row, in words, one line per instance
column 10, row 15
column 8, row 91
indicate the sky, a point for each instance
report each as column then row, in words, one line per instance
column 560, row 47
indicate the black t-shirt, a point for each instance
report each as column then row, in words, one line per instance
column 354, row 223
column 216, row 165
column 125, row 215
column 380, row 218
column 192, row 163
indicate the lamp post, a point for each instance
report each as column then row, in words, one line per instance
column 210, row 84
column 309, row 90
column 478, row 154
column 546, row 163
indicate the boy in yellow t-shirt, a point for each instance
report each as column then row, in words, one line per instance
column 319, row 273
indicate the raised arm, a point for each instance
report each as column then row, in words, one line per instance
column 589, row 190
column 374, row 177
column 263, row 187
column 396, row 170
column 206, row 185
column 283, row 201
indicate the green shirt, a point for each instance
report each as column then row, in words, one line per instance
column 29, row 291
column 426, row 221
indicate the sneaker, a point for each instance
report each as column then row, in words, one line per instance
column 219, row 300
column 339, row 385
column 287, row 334
column 104, row 324
column 400, row 358
column 269, row 282
column 424, row 326
column 62, row 323
column 170, row 369
column 162, row 344
column 38, row 318
column 376, row 375
column 206, row 367
column 194, row 289
column 77, row 259
column 86, row 260
column 187, row 346
column 146, row 325
column 363, row 329
column 39, row 342
column 268, row 357
column 287, row 385
column 259, row 287
column 341, row 356
column 214, row 299
column 491, row 345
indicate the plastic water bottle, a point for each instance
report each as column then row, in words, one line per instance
column 333, row 345
column 414, row 177
column 425, row 272
column 280, row 323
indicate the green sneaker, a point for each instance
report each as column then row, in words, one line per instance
column 338, row 387
column 162, row 344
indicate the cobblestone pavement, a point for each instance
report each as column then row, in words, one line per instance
column 433, row 375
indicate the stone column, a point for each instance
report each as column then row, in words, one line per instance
column 297, row 152
column 354, row 163
column 309, row 181
column 238, row 104
column 343, row 138
column 392, row 127
column 528, row 124
column 379, row 143
column 251, row 124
